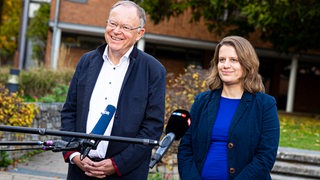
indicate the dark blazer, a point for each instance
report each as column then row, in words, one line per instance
column 139, row 114
column 253, row 137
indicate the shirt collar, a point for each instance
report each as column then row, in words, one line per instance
column 125, row 57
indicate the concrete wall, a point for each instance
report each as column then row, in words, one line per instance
column 49, row 118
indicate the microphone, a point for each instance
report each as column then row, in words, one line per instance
column 164, row 145
column 177, row 126
column 60, row 145
column 99, row 129
column 178, row 123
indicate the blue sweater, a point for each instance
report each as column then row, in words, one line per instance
column 216, row 164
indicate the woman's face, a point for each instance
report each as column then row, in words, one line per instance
column 229, row 67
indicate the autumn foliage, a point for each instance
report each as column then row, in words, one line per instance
column 13, row 110
column 182, row 90
column 9, row 26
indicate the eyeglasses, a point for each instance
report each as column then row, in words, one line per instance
column 124, row 27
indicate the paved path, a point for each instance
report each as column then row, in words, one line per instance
column 44, row 166
column 50, row 166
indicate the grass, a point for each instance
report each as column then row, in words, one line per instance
column 302, row 132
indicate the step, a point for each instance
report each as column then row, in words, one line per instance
column 298, row 155
column 297, row 169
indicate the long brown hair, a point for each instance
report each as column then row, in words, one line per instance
column 251, row 79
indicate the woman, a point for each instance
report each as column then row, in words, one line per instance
column 235, row 128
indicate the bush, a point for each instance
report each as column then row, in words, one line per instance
column 5, row 160
column 13, row 110
column 4, row 74
column 39, row 82
column 181, row 90
column 180, row 94
column 59, row 94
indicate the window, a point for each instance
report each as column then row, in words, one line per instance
column 79, row 1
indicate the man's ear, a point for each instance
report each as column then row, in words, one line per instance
column 140, row 34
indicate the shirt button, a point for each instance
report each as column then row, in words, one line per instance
column 232, row 170
column 230, row 145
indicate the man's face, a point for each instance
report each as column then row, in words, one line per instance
column 122, row 30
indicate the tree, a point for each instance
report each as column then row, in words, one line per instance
column 38, row 31
column 9, row 27
column 289, row 25
column 1, row 7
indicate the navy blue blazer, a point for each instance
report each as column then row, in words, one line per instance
column 253, row 137
column 139, row 113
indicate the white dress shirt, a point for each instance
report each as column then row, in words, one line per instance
column 106, row 92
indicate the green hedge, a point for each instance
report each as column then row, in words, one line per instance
column 39, row 82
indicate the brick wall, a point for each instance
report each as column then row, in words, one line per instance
column 96, row 12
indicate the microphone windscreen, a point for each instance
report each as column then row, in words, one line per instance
column 104, row 120
column 178, row 123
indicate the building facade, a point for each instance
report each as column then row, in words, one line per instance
column 77, row 26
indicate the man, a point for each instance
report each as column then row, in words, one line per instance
column 116, row 74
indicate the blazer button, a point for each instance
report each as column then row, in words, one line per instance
column 230, row 145
column 232, row 170
column 116, row 116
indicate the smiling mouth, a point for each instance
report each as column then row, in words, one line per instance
column 116, row 39
column 226, row 72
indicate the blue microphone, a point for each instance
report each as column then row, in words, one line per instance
column 98, row 129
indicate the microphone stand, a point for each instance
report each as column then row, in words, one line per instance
column 54, row 145
column 80, row 141
column 44, row 131
column 18, row 143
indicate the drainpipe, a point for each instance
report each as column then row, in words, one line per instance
column 141, row 43
column 24, row 24
column 55, row 38
column 292, row 83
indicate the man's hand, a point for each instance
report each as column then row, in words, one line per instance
column 95, row 169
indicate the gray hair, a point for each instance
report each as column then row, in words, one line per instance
column 140, row 11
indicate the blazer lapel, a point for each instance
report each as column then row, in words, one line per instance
column 132, row 59
column 212, row 110
column 92, row 74
column 243, row 106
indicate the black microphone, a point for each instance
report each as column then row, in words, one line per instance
column 99, row 129
column 164, row 145
column 178, row 123
column 60, row 145
column 177, row 126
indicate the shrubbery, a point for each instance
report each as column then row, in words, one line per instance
column 13, row 110
column 39, row 83
column 182, row 90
